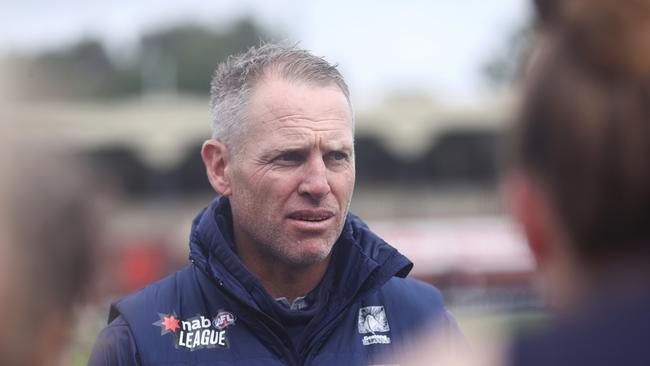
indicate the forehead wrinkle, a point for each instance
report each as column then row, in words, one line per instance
column 284, row 110
column 332, row 111
column 301, row 118
column 315, row 126
column 269, row 113
column 296, row 133
column 304, row 136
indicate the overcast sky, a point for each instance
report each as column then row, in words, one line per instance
column 437, row 46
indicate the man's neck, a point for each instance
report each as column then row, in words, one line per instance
column 281, row 279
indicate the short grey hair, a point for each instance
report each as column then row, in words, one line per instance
column 233, row 80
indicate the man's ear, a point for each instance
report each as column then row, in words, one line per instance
column 527, row 204
column 216, row 159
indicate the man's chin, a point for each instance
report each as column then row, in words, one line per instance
column 310, row 253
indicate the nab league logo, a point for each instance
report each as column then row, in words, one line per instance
column 197, row 332
column 372, row 319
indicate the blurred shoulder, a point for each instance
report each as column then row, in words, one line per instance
column 412, row 292
column 414, row 305
column 115, row 346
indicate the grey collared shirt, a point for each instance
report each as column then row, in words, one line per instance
column 300, row 303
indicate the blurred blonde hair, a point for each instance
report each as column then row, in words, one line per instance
column 49, row 236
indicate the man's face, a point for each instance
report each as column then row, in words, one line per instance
column 292, row 184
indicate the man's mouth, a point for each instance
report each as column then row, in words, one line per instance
column 311, row 215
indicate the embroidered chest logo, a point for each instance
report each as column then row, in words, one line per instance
column 197, row 332
column 372, row 319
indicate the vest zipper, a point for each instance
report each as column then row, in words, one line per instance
column 288, row 356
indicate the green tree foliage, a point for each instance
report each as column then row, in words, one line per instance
column 191, row 52
column 81, row 69
column 181, row 58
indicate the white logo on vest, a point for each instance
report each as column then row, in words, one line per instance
column 197, row 332
column 372, row 319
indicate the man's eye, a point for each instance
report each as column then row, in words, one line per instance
column 338, row 155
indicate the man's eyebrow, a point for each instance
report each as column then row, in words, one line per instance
column 300, row 149
column 339, row 145
column 283, row 150
column 289, row 147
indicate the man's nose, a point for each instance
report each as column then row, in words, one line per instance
column 314, row 182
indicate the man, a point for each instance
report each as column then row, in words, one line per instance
column 281, row 273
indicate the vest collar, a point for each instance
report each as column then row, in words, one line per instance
column 361, row 261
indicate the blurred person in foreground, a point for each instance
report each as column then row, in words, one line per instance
column 579, row 181
column 47, row 241
column 281, row 273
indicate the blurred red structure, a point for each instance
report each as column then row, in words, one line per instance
column 141, row 262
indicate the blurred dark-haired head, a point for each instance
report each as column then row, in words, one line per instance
column 582, row 137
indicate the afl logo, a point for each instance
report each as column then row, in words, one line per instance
column 223, row 320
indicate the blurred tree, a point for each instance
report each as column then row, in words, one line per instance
column 184, row 57
column 181, row 58
column 80, row 70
